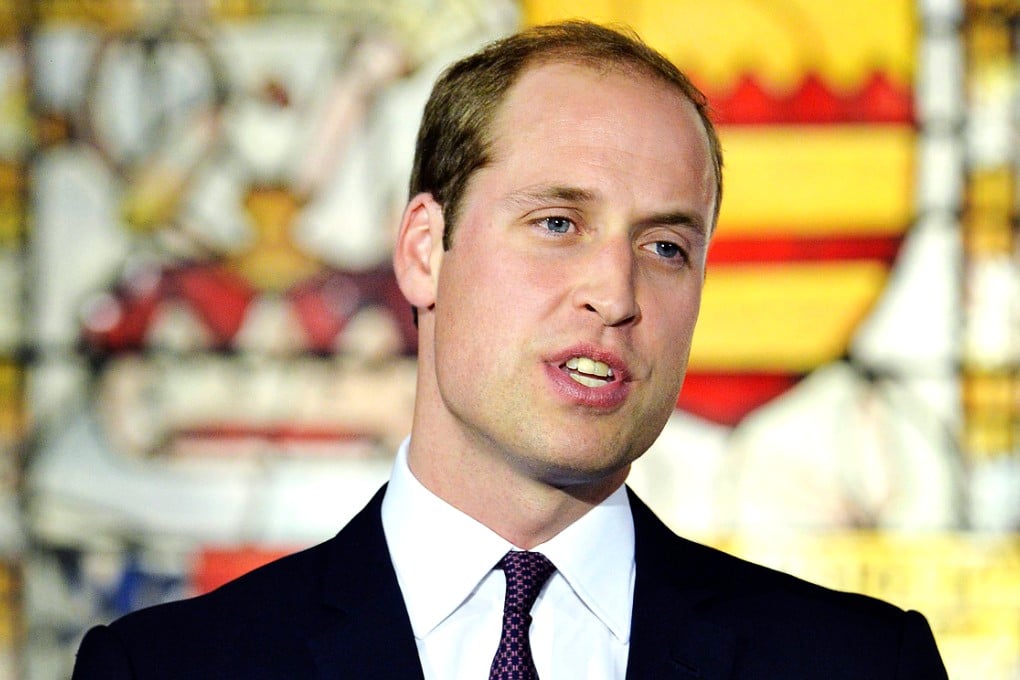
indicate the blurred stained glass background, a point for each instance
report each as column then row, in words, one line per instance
column 205, row 362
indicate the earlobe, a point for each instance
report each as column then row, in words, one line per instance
column 418, row 252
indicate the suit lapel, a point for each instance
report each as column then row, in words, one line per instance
column 372, row 637
column 669, row 639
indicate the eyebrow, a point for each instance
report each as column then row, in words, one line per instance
column 678, row 219
column 551, row 193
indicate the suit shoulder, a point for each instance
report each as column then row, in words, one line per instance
column 781, row 623
column 726, row 578
column 741, row 578
column 250, row 627
column 267, row 596
column 260, row 625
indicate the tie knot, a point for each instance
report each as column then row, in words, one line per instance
column 526, row 573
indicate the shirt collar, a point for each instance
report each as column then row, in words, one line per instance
column 595, row 555
column 440, row 554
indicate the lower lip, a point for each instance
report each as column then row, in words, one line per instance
column 605, row 398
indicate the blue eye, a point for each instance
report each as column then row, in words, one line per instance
column 558, row 225
column 667, row 249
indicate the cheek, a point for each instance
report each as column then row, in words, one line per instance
column 478, row 304
column 674, row 313
column 511, row 289
column 672, row 339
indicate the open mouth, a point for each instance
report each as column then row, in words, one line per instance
column 588, row 372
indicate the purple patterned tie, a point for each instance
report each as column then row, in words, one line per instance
column 526, row 573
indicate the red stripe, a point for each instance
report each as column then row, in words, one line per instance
column 878, row 99
column 216, row 566
column 733, row 250
column 727, row 398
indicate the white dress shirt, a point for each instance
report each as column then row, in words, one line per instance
column 445, row 562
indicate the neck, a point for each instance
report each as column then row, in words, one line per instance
column 516, row 505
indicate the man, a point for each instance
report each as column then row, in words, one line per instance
column 566, row 184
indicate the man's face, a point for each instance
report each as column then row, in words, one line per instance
column 565, row 306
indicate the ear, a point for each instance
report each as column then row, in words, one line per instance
column 419, row 250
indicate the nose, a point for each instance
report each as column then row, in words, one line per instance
column 607, row 284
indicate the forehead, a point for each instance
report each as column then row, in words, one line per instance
column 576, row 118
column 563, row 93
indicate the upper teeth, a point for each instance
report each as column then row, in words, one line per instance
column 589, row 366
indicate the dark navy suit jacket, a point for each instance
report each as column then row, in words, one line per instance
column 335, row 611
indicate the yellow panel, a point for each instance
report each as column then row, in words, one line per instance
column 985, row 438
column 814, row 180
column 779, row 42
column 11, row 406
column 990, row 392
column 12, row 217
column 790, row 317
column 112, row 14
column 602, row 11
column 9, row 628
column 968, row 585
column 992, row 189
column 13, row 17
column 985, row 237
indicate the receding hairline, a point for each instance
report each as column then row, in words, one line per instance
column 603, row 67
column 605, row 62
